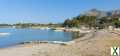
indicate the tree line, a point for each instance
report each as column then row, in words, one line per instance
column 93, row 19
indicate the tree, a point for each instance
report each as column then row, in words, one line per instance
column 115, row 22
column 88, row 20
column 67, row 23
column 75, row 23
column 95, row 18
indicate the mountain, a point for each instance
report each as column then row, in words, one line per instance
column 115, row 13
column 95, row 12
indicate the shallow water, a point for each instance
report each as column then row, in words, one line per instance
column 20, row 35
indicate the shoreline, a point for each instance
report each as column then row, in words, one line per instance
column 95, row 44
column 58, row 42
column 49, row 42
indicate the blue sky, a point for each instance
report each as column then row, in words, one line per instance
column 46, row 11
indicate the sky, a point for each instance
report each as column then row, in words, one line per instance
column 49, row 11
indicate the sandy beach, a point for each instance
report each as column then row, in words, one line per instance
column 19, row 50
column 93, row 44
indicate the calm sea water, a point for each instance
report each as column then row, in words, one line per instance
column 20, row 35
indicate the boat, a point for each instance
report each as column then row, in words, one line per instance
column 4, row 33
column 58, row 30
